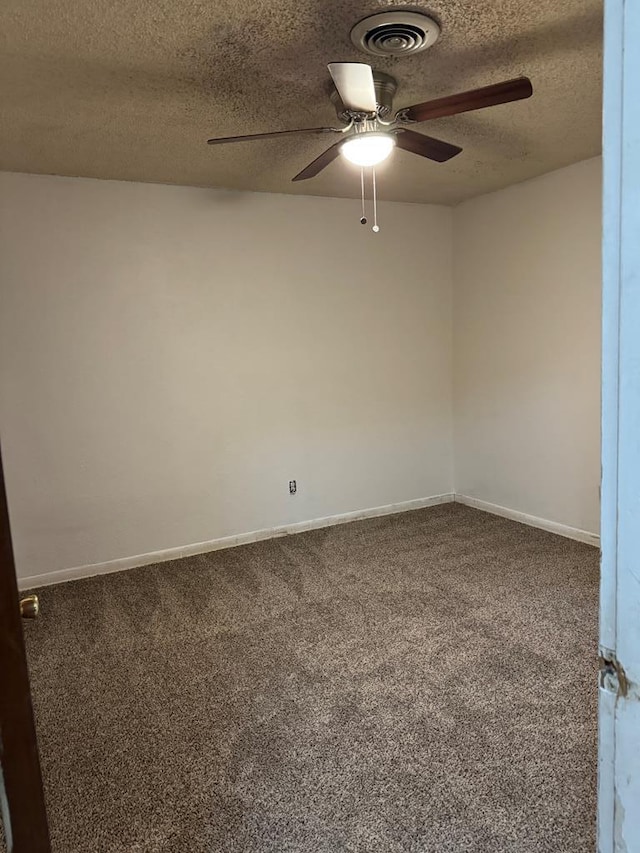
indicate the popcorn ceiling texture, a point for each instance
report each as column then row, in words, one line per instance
column 131, row 90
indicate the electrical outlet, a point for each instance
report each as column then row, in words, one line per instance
column 293, row 488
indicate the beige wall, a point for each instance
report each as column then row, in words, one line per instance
column 170, row 357
column 527, row 346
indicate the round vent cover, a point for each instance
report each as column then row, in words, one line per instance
column 395, row 33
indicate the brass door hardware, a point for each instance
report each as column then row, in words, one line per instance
column 29, row 607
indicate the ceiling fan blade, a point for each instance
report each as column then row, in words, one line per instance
column 319, row 163
column 474, row 99
column 354, row 82
column 426, row 146
column 273, row 134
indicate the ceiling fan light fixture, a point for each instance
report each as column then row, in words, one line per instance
column 368, row 149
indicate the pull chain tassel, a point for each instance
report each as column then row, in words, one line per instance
column 375, row 201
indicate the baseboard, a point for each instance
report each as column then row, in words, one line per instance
column 532, row 520
column 123, row 563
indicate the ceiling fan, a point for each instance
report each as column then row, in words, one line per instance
column 364, row 103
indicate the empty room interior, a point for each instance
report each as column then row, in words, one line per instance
column 300, row 432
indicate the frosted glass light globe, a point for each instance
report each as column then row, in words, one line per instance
column 368, row 149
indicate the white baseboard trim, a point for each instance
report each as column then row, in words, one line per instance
column 531, row 520
column 123, row 563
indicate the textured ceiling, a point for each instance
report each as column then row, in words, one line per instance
column 131, row 89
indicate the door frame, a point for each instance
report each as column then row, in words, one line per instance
column 619, row 693
column 22, row 801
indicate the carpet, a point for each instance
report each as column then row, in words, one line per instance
column 423, row 682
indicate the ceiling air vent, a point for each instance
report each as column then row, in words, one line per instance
column 395, row 33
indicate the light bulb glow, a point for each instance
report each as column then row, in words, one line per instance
column 368, row 149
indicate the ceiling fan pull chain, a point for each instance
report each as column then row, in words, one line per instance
column 363, row 218
column 375, row 201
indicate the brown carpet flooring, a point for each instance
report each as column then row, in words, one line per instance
column 421, row 682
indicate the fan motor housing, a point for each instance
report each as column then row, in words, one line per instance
column 395, row 33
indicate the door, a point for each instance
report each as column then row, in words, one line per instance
column 619, row 734
column 21, row 795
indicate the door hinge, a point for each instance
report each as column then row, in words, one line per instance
column 612, row 675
